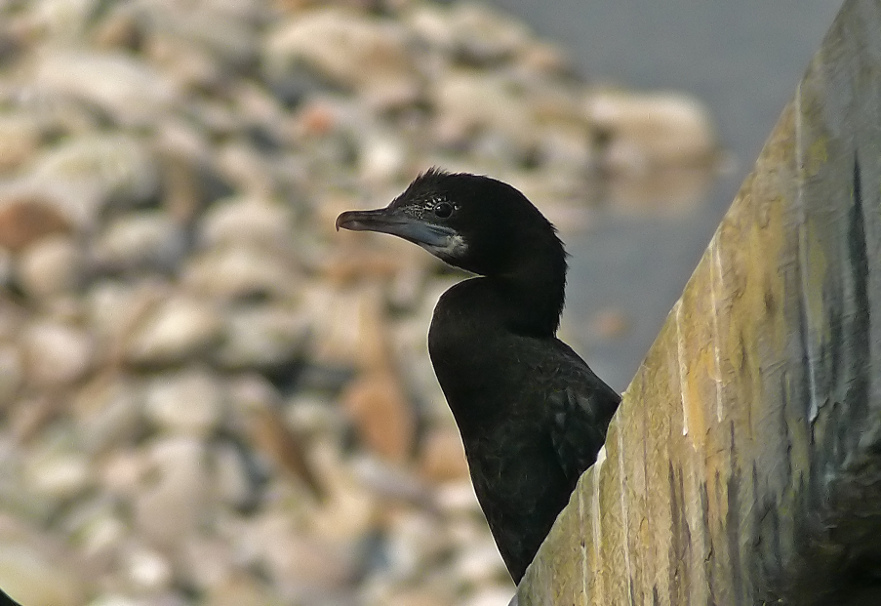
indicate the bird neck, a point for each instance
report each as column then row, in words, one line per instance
column 533, row 293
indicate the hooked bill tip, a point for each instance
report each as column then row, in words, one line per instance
column 360, row 220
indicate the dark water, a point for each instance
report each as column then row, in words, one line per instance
column 744, row 60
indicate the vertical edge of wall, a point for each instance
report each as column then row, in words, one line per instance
column 744, row 466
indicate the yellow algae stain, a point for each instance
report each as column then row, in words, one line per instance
column 681, row 364
column 696, row 354
column 814, row 270
column 755, row 241
column 817, row 155
column 696, row 384
column 774, row 284
column 764, row 288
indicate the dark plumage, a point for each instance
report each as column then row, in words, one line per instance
column 532, row 415
column 5, row 600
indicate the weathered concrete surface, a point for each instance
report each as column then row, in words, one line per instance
column 745, row 464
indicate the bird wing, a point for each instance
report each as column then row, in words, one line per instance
column 581, row 409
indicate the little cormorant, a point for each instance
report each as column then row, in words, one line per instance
column 531, row 413
column 5, row 600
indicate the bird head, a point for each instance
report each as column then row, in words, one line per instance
column 477, row 223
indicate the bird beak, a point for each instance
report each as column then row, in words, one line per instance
column 393, row 221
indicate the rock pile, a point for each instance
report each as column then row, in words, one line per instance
column 206, row 395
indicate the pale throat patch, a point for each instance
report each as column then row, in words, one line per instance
column 454, row 246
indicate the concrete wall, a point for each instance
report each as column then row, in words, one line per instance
column 745, row 464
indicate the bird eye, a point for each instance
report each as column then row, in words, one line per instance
column 443, row 210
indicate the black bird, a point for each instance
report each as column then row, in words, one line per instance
column 5, row 600
column 531, row 413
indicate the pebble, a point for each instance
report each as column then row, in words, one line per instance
column 240, row 590
column 148, row 570
column 382, row 414
column 652, row 131
column 241, row 271
column 144, row 240
column 121, row 472
column 12, row 373
column 306, row 564
column 230, row 41
column 20, row 137
column 469, row 104
column 239, row 162
column 25, row 218
column 50, row 266
column 102, row 537
column 55, row 353
column 416, row 540
column 130, row 91
column 351, row 508
column 112, row 599
column 172, row 331
column 251, row 220
column 190, row 402
column 64, row 20
column 37, row 576
column 480, row 563
column 457, row 497
column 6, row 264
column 191, row 179
column 310, row 412
column 353, row 51
column 120, row 29
column 390, row 482
column 432, row 596
column 91, row 172
column 61, row 475
column 382, row 158
column 284, row 447
column 115, row 308
column 492, row 596
column 443, row 456
column 263, row 336
column 176, row 488
column 234, row 486
column 482, row 36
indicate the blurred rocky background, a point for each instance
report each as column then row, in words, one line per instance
column 207, row 396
